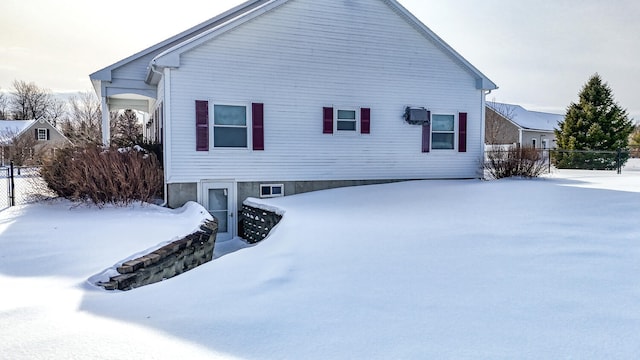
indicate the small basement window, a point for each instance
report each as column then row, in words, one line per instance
column 271, row 190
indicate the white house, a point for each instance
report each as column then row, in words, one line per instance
column 278, row 97
column 513, row 124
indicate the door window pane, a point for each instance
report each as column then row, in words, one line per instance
column 219, row 207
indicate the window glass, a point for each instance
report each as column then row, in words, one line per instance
column 229, row 137
column 442, row 141
column 442, row 122
column 230, row 115
column 346, row 115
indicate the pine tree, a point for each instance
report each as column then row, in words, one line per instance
column 127, row 129
column 595, row 123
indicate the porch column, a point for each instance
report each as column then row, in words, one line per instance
column 106, row 131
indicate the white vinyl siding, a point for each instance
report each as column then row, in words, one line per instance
column 304, row 55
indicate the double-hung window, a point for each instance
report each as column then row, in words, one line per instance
column 42, row 134
column 443, row 132
column 346, row 120
column 230, row 126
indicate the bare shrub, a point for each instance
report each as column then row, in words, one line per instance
column 525, row 161
column 102, row 176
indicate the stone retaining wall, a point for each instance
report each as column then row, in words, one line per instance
column 168, row 261
column 257, row 223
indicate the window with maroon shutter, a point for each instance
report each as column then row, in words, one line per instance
column 365, row 121
column 327, row 120
column 462, row 132
column 426, row 134
column 202, row 125
column 257, row 114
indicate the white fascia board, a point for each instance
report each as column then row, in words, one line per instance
column 105, row 73
column 482, row 82
column 171, row 57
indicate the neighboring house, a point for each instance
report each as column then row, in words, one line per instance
column 27, row 140
column 278, row 97
column 513, row 124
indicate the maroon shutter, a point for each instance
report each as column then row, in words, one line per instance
column 36, row 130
column 365, row 121
column 202, row 125
column 462, row 132
column 327, row 120
column 257, row 115
column 48, row 134
column 426, row 134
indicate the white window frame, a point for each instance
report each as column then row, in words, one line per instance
column 212, row 122
column 271, row 187
column 356, row 111
column 454, row 132
column 42, row 131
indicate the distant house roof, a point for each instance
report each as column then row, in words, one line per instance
column 526, row 119
column 12, row 128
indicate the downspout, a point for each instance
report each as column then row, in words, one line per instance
column 165, row 140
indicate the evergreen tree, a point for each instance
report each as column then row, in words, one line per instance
column 595, row 123
column 127, row 129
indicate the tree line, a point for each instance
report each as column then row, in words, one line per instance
column 79, row 117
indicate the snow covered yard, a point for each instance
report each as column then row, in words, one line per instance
column 526, row 269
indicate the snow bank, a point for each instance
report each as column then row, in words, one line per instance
column 522, row 269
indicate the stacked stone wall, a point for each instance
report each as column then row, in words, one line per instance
column 168, row 261
column 257, row 223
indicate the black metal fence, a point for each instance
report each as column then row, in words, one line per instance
column 21, row 185
column 6, row 187
column 618, row 160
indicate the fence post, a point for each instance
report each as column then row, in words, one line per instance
column 618, row 161
column 12, row 188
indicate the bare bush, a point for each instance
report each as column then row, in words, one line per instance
column 103, row 176
column 525, row 161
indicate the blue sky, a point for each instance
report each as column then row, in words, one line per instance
column 540, row 53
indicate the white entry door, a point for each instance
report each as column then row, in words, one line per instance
column 219, row 200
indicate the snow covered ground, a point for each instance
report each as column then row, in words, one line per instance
column 526, row 269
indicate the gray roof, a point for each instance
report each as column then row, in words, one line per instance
column 526, row 119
